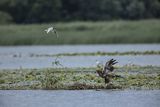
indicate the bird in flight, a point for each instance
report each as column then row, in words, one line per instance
column 51, row 29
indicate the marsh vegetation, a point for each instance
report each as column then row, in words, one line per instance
column 101, row 32
column 99, row 53
column 134, row 77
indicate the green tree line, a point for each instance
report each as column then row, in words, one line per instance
column 44, row 11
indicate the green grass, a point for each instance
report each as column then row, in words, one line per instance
column 143, row 31
column 133, row 77
column 98, row 53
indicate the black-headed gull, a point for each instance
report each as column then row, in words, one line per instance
column 51, row 29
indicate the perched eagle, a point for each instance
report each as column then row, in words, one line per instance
column 105, row 72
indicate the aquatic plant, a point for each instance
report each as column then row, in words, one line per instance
column 136, row 77
column 101, row 53
column 49, row 80
column 98, row 53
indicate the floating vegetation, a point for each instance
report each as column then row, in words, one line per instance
column 99, row 53
column 134, row 77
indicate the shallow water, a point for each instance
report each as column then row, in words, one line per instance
column 20, row 56
column 81, row 98
column 76, row 61
column 25, row 50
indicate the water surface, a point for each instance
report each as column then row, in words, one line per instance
column 82, row 98
column 20, row 56
column 76, row 61
column 55, row 49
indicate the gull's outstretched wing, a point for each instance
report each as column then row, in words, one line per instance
column 54, row 30
column 48, row 29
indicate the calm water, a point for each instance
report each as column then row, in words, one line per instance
column 25, row 50
column 23, row 59
column 82, row 98
column 76, row 61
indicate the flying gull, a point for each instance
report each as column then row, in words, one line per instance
column 51, row 29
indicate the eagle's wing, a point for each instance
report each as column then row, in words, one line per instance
column 112, row 62
column 109, row 66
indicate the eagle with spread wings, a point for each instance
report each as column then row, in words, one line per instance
column 105, row 72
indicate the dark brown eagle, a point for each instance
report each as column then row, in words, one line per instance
column 105, row 72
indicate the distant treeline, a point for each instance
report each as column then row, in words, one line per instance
column 43, row 11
